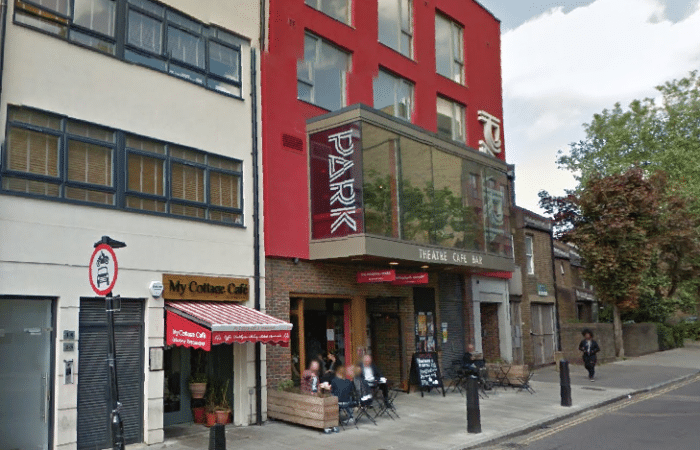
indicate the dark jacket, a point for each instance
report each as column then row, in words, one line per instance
column 589, row 351
column 375, row 371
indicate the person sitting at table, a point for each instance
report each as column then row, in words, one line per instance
column 362, row 388
column 372, row 375
column 330, row 364
column 310, row 378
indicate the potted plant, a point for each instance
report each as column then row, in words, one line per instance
column 210, row 408
column 199, row 411
column 198, row 385
column 198, row 379
column 222, row 409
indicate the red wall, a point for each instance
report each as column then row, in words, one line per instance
column 285, row 170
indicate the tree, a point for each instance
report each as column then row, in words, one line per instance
column 654, row 135
column 613, row 223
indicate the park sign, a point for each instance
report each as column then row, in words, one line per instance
column 103, row 269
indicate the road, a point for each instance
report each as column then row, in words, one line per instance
column 665, row 419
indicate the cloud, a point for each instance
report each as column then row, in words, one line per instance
column 562, row 67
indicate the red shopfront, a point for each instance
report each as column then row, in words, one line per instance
column 206, row 326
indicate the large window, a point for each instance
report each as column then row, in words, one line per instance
column 337, row 9
column 146, row 33
column 449, row 48
column 396, row 25
column 53, row 156
column 321, row 74
column 393, row 95
column 450, row 120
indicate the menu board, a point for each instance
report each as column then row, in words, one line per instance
column 425, row 372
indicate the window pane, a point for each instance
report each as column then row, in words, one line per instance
column 89, row 163
column 337, row 9
column 224, row 190
column 379, row 189
column 226, row 88
column 184, row 22
column 145, row 32
column 389, row 23
column 188, row 211
column 404, row 100
column 187, row 154
column 443, row 57
column 417, row 192
column 329, row 77
column 59, row 6
column 406, row 13
column 459, row 134
column 145, row 204
column 224, row 163
column 91, row 41
column 406, row 44
column 384, row 95
column 40, row 23
column 145, row 145
column 32, row 152
column 90, row 131
column 30, row 186
column 187, row 74
column 88, row 195
column 304, row 91
column 225, row 217
column 148, row 6
column 444, row 118
column 146, row 175
column 186, row 47
column 455, row 223
column 147, row 61
column 97, row 15
column 223, row 61
column 34, row 117
column 187, row 183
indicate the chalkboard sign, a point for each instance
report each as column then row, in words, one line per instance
column 425, row 372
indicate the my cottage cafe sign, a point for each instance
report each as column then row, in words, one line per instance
column 210, row 289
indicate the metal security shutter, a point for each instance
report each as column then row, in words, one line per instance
column 452, row 312
column 93, row 379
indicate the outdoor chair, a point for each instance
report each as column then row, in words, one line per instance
column 522, row 382
column 365, row 403
column 346, row 404
column 457, row 376
column 502, row 371
column 387, row 404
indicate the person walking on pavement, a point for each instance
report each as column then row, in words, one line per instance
column 590, row 348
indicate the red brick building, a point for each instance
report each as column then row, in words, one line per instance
column 383, row 160
column 577, row 300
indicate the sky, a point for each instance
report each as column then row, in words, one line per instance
column 564, row 61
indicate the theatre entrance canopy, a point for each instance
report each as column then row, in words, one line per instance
column 383, row 190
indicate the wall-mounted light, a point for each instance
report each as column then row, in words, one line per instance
column 423, row 267
column 393, row 263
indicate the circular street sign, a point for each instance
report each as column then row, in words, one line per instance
column 103, row 269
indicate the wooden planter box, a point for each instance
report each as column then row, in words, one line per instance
column 308, row 410
column 517, row 372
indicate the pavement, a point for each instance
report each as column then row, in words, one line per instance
column 436, row 422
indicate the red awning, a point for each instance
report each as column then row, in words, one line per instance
column 202, row 324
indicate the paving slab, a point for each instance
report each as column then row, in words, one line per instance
column 436, row 422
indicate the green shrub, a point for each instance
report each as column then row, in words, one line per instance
column 666, row 339
column 690, row 330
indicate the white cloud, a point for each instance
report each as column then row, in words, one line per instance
column 561, row 68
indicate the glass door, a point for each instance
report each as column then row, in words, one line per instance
column 176, row 395
column 25, row 374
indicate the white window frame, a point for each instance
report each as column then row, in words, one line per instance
column 403, row 31
column 457, row 109
column 456, row 55
column 529, row 255
column 309, row 70
column 398, row 82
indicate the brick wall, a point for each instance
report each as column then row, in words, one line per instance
column 284, row 280
column 571, row 337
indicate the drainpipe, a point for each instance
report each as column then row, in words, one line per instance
column 262, row 24
column 3, row 24
column 256, row 229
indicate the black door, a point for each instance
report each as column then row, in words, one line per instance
column 93, row 378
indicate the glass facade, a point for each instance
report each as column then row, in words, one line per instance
column 420, row 193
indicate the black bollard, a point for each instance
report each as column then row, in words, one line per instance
column 473, row 413
column 217, row 437
column 565, row 382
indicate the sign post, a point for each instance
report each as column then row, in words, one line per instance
column 103, row 271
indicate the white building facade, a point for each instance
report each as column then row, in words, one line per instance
column 137, row 120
